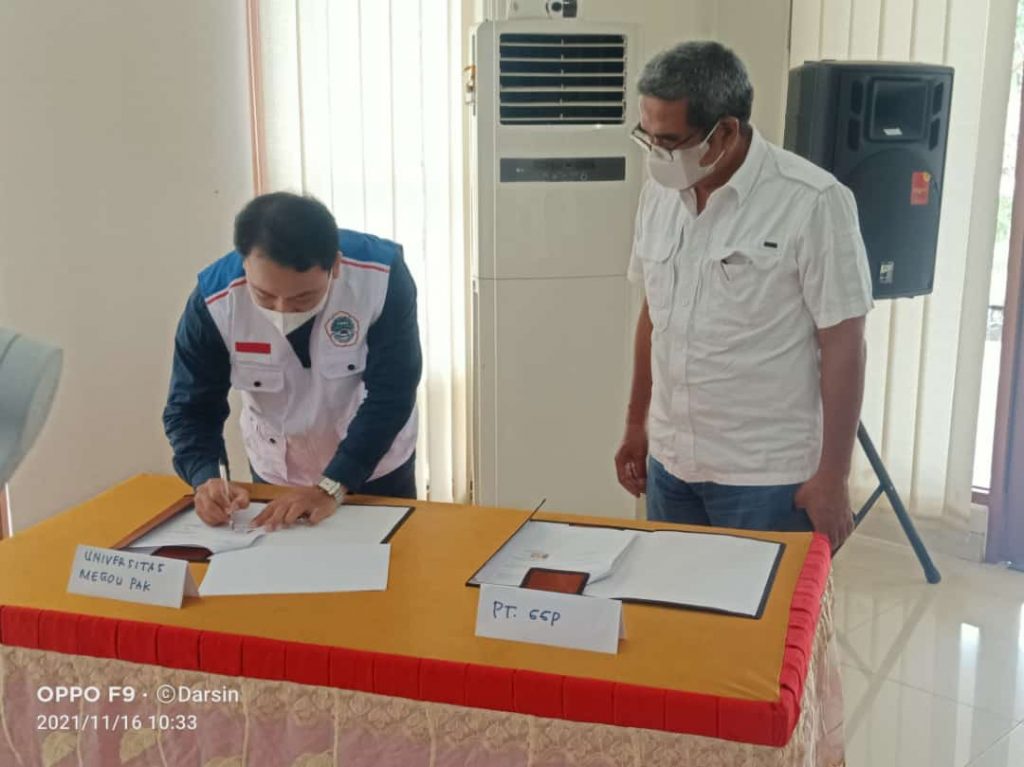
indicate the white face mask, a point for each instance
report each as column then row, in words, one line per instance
column 286, row 322
column 681, row 168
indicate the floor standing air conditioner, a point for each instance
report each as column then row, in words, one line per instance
column 555, row 184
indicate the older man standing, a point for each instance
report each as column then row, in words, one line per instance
column 749, row 363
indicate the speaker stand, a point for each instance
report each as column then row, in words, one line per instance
column 885, row 485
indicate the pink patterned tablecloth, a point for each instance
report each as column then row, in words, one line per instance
column 294, row 725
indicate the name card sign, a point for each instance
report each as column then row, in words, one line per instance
column 549, row 618
column 141, row 578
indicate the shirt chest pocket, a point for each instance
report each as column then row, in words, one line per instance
column 744, row 279
column 659, row 279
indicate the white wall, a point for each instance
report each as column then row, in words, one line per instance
column 124, row 154
column 662, row 22
column 759, row 33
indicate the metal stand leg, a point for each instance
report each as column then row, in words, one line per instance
column 5, row 512
column 886, row 486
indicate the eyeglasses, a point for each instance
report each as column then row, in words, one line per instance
column 650, row 144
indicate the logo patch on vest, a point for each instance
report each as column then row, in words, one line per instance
column 342, row 329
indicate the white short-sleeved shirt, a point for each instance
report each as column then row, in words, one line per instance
column 736, row 295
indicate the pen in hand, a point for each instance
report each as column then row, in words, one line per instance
column 227, row 494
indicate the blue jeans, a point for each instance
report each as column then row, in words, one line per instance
column 747, row 507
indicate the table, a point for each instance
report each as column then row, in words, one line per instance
column 398, row 677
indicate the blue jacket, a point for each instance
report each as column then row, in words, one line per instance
column 197, row 403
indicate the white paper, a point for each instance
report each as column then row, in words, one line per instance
column 557, row 546
column 129, row 577
column 549, row 618
column 298, row 570
column 349, row 524
column 718, row 572
column 187, row 529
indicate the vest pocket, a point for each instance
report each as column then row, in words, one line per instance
column 257, row 378
column 341, row 363
column 265, row 449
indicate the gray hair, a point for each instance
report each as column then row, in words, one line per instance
column 709, row 76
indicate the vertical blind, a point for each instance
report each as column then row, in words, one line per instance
column 359, row 104
column 924, row 354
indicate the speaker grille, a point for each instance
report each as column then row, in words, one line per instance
column 550, row 79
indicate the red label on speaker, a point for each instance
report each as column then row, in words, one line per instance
column 920, row 187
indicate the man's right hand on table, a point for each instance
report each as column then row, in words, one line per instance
column 631, row 460
column 214, row 506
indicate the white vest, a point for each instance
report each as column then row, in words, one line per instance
column 293, row 418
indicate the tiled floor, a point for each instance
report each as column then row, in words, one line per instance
column 933, row 675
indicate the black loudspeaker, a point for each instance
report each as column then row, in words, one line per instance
column 881, row 129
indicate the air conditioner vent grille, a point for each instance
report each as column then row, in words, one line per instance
column 553, row 79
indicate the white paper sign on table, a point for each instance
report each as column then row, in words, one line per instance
column 148, row 580
column 298, row 570
column 549, row 618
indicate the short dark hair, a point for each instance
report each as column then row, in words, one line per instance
column 707, row 75
column 292, row 230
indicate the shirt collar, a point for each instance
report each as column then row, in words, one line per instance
column 742, row 181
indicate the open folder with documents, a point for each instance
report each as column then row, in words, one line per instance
column 348, row 525
column 709, row 571
column 554, row 546
column 348, row 551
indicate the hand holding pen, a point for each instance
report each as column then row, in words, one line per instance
column 217, row 499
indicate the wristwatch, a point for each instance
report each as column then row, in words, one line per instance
column 333, row 488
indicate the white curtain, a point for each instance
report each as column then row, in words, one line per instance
column 358, row 102
column 925, row 354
